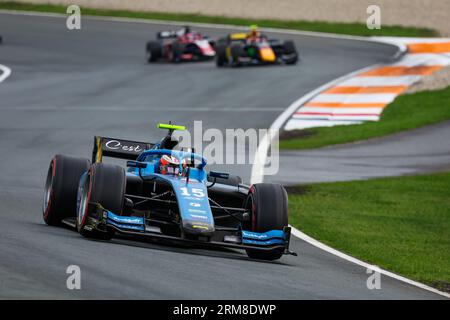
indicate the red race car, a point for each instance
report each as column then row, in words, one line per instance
column 180, row 45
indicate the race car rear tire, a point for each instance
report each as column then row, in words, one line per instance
column 268, row 205
column 105, row 184
column 221, row 55
column 290, row 49
column 61, row 185
column 154, row 51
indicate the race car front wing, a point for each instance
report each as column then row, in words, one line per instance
column 136, row 226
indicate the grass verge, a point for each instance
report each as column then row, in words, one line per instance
column 359, row 29
column 407, row 112
column 401, row 224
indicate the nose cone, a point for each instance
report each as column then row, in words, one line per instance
column 267, row 54
column 194, row 227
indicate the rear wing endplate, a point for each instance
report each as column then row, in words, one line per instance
column 118, row 148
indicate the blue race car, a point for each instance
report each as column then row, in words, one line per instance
column 165, row 193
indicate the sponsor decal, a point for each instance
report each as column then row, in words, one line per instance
column 263, row 236
column 196, row 216
column 119, row 145
column 193, row 198
column 125, row 219
column 126, row 226
column 197, row 211
column 254, row 235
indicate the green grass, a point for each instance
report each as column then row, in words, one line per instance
column 407, row 112
column 400, row 224
column 359, row 29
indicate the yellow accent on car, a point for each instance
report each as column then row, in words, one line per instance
column 200, row 227
column 99, row 154
column 228, row 53
column 267, row 54
column 170, row 126
column 238, row 36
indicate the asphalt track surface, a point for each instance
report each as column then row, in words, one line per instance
column 68, row 86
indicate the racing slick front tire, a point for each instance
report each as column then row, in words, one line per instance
column 221, row 55
column 237, row 51
column 268, row 205
column 104, row 184
column 290, row 50
column 154, row 51
column 176, row 51
column 61, row 185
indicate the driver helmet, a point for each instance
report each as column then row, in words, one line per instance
column 254, row 33
column 169, row 165
column 190, row 36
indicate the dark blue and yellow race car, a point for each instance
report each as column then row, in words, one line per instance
column 254, row 48
column 165, row 193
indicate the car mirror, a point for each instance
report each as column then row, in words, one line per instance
column 215, row 174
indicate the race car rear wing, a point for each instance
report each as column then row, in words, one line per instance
column 166, row 34
column 117, row 148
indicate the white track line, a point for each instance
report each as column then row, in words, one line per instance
column 344, row 256
column 261, row 153
column 6, row 72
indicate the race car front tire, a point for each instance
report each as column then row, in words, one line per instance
column 221, row 55
column 104, row 184
column 61, row 185
column 176, row 51
column 237, row 51
column 154, row 51
column 290, row 51
column 268, row 205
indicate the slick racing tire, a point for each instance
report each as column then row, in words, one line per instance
column 236, row 52
column 154, row 51
column 290, row 50
column 268, row 205
column 104, row 184
column 221, row 55
column 176, row 51
column 61, row 185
